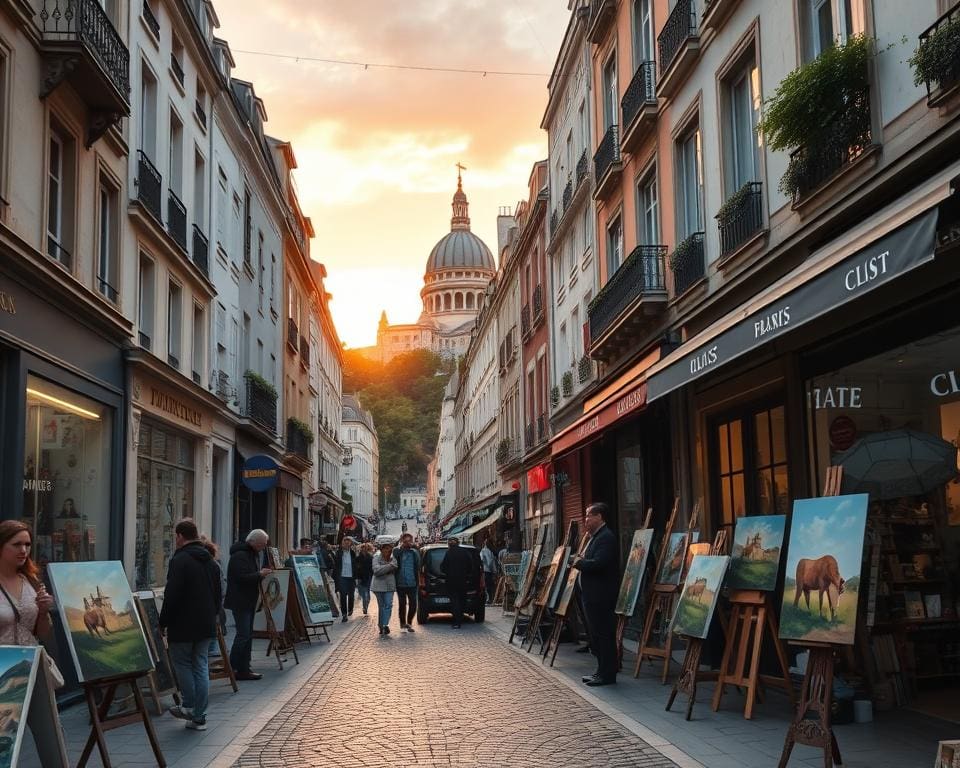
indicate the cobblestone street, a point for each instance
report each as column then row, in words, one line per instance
column 440, row 697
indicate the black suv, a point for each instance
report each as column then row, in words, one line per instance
column 433, row 584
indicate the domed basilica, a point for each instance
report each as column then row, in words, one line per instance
column 458, row 270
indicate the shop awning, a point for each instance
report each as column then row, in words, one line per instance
column 596, row 421
column 477, row 527
column 894, row 241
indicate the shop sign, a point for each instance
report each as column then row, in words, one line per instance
column 259, row 473
column 836, row 397
column 36, row 484
column 177, row 408
column 944, row 384
column 538, row 478
column 888, row 258
column 634, row 400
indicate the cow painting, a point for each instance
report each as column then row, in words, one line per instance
column 822, row 576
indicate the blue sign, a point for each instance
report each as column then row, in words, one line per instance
column 259, row 473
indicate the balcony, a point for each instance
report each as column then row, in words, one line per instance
column 607, row 163
column 716, row 12
column 936, row 62
column 528, row 436
column 542, row 428
column 638, row 107
column 150, row 19
column 261, row 403
column 293, row 335
column 177, row 68
column 304, row 352
column 741, row 217
column 508, row 451
column 567, row 195
column 636, row 292
column 222, row 385
column 688, row 264
column 201, row 250
column 583, row 167
column 602, row 15
column 80, row 46
column 299, row 440
column 177, row 219
column 584, row 369
column 149, row 184
column 538, row 308
column 678, row 46
column 554, row 222
column 525, row 321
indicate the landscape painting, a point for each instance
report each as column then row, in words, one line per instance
column 313, row 595
column 102, row 624
column 634, row 571
column 824, row 560
column 672, row 566
column 17, row 675
column 273, row 597
column 757, row 546
column 557, row 563
column 699, row 597
column 529, row 576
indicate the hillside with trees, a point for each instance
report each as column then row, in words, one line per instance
column 404, row 397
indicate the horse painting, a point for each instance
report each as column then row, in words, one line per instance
column 94, row 618
column 820, row 575
column 696, row 589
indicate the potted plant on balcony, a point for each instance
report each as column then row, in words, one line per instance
column 937, row 59
column 733, row 205
column 302, row 428
column 260, row 383
column 555, row 396
column 503, row 451
column 567, row 383
column 820, row 112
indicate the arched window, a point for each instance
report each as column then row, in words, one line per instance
column 458, row 300
column 469, row 301
column 479, row 300
column 436, row 303
column 446, row 301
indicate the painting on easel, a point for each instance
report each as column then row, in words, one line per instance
column 672, row 567
column 824, row 560
column 313, row 595
column 275, row 588
column 757, row 546
column 633, row 573
column 698, row 600
column 18, row 668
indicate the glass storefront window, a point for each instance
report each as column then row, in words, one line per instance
column 165, row 482
column 67, row 471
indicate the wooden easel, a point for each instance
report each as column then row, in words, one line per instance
column 690, row 673
column 816, row 692
column 101, row 722
column 661, row 600
column 222, row 669
column 280, row 643
column 561, row 615
column 542, row 600
column 623, row 618
column 524, row 593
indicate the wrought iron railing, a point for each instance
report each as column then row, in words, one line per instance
column 607, row 153
column 567, row 195
column 293, row 334
column 944, row 72
column 525, row 320
column 538, row 303
column 554, row 221
column 541, row 428
column 261, row 405
column 688, row 263
column 59, row 254
column 201, row 250
column 149, row 183
column 741, row 217
column 150, row 18
column 177, row 219
column 304, row 352
column 583, row 166
column 639, row 92
column 528, row 434
column 298, row 440
column 103, row 285
column 86, row 22
column 681, row 25
column 643, row 272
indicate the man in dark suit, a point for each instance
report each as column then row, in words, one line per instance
column 599, row 584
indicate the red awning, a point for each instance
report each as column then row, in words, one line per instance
column 594, row 423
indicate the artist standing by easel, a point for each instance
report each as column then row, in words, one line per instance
column 599, row 584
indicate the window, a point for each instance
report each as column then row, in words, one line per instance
column 108, row 238
column 174, row 323
column 200, row 107
column 690, row 186
column 220, row 333
column 176, row 155
column 273, row 279
column 221, row 207
column 60, row 196
column 648, row 227
column 828, row 21
column 260, row 267
column 245, row 344
column 199, row 189
column 260, row 362
column 574, row 332
column 148, row 111
column 176, row 62
column 611, row 103
column 582, row 121
column 642, row 32
column 67, row 473
column 145, row 302
column 247, row 224
column 614, row 246
column 199, row 334
column 742, row 107
column 272, row 371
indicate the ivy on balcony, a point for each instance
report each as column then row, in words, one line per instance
column 936, row 62
column 302, row 427
column 566, row 383
column 555, row 396
column 256, row 379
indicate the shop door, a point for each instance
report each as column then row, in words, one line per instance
column 748, row 463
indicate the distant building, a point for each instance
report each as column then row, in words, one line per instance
column 361, row 461
column 458, row 270
column 414, row 498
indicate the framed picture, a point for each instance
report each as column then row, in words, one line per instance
column 18, row 676
column 557, row 565
column 948, row 755
column 150, row 617
column 824, row 561
column 672, row 566
column 757, row 546
column 698, row 600
column 310, row 589
column 102, row 623
column 273, row 597
column 634, row 571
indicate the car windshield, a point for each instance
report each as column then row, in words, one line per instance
column 434, row 557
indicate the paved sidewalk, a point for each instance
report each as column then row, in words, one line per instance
column 724, row 739
column 233, row 719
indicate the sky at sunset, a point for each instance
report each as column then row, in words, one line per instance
column 376, row 148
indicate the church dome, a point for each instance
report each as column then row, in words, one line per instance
column 461, row 248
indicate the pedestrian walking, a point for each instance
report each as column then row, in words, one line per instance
column 214, row 551
column 491, row 567
column 408, row 566
column 384, row 584
column 344, row 570
column 599, row 584
column 191, row 605
column 456, row 566
column 243, row 590
column 365, row 574
column 326, row 558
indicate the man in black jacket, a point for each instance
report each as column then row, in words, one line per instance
column 345, row 575
column 456, row 567
column 243, row 591
column 599, row 584
column 191, row 605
